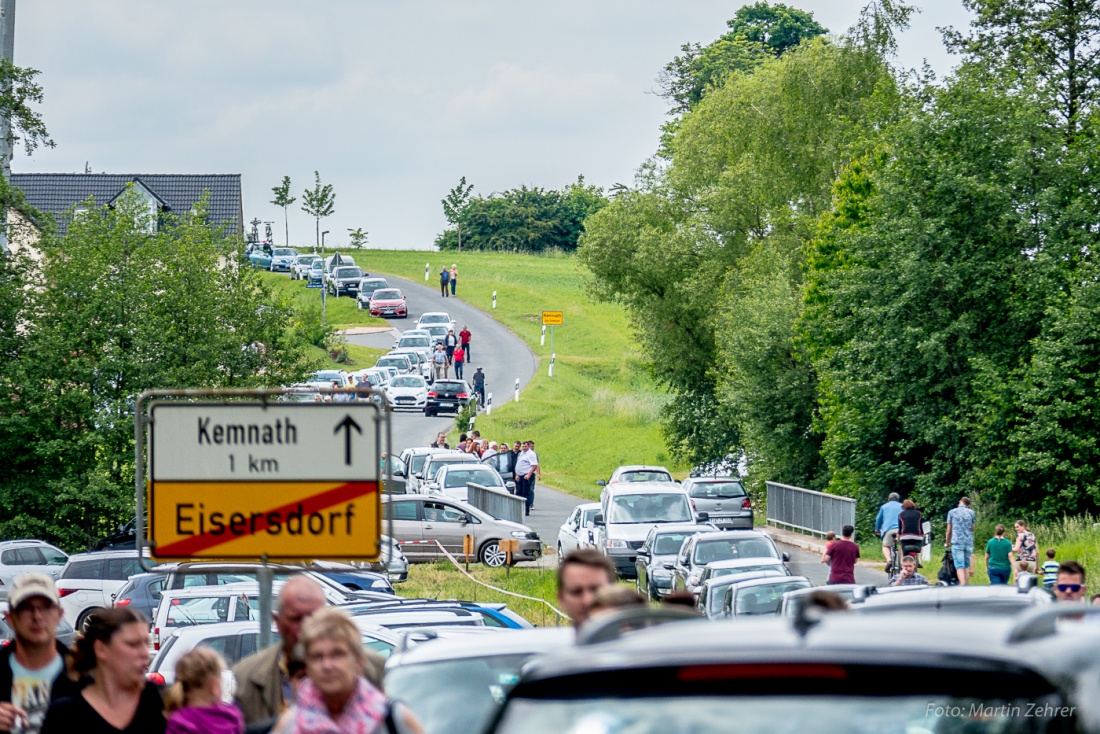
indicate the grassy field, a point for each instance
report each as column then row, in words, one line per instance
column 442, row 581
column 342, row 313
column 601, row 407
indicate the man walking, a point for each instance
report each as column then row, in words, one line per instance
column 960, row 538
column 523, row 474
column 842, row 557
column 479, row 383
column 439, row 362
column 444, row 278
column 886, row 525
column 450, row 342
column 32, row 667
column 536, row 474
column 464, row 339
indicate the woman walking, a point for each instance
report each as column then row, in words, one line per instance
column 336, row 697
column 114, row 651
column 998, row 557
column 454, row 277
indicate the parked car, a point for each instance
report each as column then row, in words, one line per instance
column 352, row 577
column 421, row 341
column 423, row 517
column 345, row 281
column 421, row 363
column 985, row 601
column 739, row 567
column 914, row 672
column 282, row 258
column 698, row 551
column 851, row 593
column 435, row 318
column 315, row 276
column 18, row 557
column 367, row 287
column 325, row 378
column 578, row 530
column 448, row 396
column 299, row 269
column 451, row 480
column 493, row 614
column 199, row 605
column 760, row 596
column 414, row 459
column 89, row 579
column 260, row 256
column 724, row 500
column 388, row 302
column 213, row 573
column 660, row 549
column 65, row 632
column 455, row 686
column 712, row 593
column 435, row 461
column 638, row 473
column 438, row 332
column 142, row 593
column 400, row 362
column 407, row 391
column 628, row 511
column 334, row 261
column 418, row 617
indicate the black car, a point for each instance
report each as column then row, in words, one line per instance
column 447, row 396
column 122, row 539
column 1032, row 674
column 345, row 280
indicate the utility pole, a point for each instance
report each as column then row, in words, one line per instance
column 7, row 51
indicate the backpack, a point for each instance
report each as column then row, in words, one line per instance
column 947, row 573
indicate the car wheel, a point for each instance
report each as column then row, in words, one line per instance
column 492, row 556
column 82, row 620
column 653, row 595
column 559, row 553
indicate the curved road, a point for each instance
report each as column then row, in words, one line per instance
column 505, row 358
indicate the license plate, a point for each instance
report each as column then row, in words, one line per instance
column 446, row 405
column 404, row 400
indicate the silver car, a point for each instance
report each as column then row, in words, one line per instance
column 724, row 500
column 18, row 557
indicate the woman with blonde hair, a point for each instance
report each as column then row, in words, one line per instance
column 195, row 700
column 336, row 697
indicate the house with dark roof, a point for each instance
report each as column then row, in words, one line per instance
column 60, row 194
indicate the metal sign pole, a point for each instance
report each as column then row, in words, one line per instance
column 265, row 576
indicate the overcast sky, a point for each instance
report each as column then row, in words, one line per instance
column 391, row 100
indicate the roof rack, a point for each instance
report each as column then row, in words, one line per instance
column 613, row 625
column 1043, row 622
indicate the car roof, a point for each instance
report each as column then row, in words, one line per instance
column 640, row 467
column 713, row 480
column 948, row 595
column 215, row 629
column 645, row 488
column 771, row 581
column 95, row 555
column 682, row 527
column 742, row 578
column 456, row 457
column 587, row 506
column 742, row 562
column 250, row 588
column 530, row 641
column 738, row 534
column 23, row 543
column 435, row 313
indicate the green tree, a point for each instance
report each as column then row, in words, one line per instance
column 113, row 308
column 284, row 199
column 454, row 205
column 19, row 89
column 318, row 202
column 357, row 237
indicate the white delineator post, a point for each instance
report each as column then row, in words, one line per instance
column 542, row 339
column 494, row 299
column 427, row 271
column 517, row 389
column 489, row 404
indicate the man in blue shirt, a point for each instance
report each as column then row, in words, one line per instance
column 886, row 525
column 960, row 538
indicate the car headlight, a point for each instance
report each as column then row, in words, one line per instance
column 612, row 543
column 661, row 573
column 521, row 534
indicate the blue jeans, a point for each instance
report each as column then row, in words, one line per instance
column 999, row 576
column 458, row 370
column 454, row 283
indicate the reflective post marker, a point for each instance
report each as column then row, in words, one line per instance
column 470, row 425
column 517, row 389
column 542, row 340
column 494, row 299
column 427, row 271
column 552, row 356
column 489, row 404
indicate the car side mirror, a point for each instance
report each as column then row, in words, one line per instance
column 598, row 520
column 510, row 486
column 667, row 566
column 703, row 516
column 419, row 475
column 785, row 556
column 601, row 483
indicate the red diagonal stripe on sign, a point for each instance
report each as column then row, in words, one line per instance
column 198, row 543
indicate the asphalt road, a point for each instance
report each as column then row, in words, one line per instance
column 505, row 358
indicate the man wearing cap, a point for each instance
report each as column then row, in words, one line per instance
column 32, row 668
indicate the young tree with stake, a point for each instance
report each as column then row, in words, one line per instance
column 318, row 202
column 284, row 199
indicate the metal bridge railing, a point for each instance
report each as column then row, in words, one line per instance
column 808, row 511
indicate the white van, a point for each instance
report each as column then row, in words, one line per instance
column 629, row 511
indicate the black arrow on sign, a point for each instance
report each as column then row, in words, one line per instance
column 347, row 424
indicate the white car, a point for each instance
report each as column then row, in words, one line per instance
column 200, row 605
column 299, row 269
column 578, row 530
column 435, row 318
column 89, row 581
column 18, row 557
column 451, row 480
column 639, row 473
column 325, row 378
column 422, row 363
column 407, row 391
column 418, row 480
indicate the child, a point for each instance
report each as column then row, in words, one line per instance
column 195, row 699
column 830, row 537
column 1050, row 570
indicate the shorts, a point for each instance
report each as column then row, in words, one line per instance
column 1025, row 566
column 961, row 555
column 889, row 537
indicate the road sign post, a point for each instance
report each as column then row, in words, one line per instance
column 551, row 319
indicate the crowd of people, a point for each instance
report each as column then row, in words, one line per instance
column 520, row 459
column 318, row 679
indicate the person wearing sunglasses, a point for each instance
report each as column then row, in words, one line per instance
column 1070, row 584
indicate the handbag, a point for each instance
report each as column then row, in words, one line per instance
column 948, row 573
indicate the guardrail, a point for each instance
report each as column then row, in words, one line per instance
column 807, row 510
column 501, row 505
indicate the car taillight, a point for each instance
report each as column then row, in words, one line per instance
column 692, row 505
column 433, row 394
column 746, row 503
column 122, row 602
column 156, row 678
column 462, row 395
column 65, row 592
column 156, row 638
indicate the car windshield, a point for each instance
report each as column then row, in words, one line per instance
column 408, row 382
column 475, row 475
column 388, row 295
column 394, row 362
column 433, row 465
column 327, row 376
column 717, row 490
column 317, row 265
column 416, row 463
column 646, row 508
column 409, row 342
column 308, row 259
column 645, row 476
column 188, row 611
column 709, row 551
column 763, row 599
column 372, row 284
column 668, row 544
column 282, row 252
column 455, row 696
column 434, row 318
column 775, row 714
column 348, row 273
column 437, row 330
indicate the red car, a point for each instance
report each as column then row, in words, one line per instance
column 388, row 302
